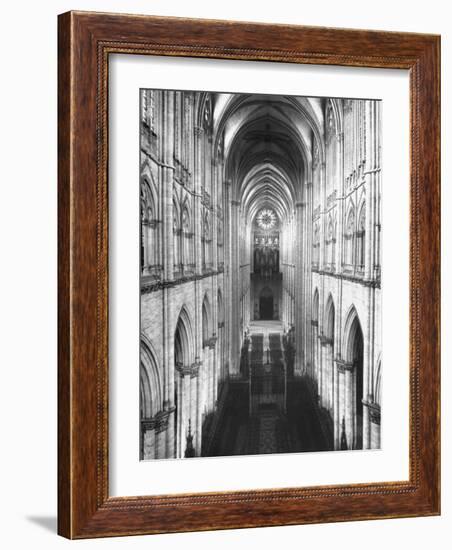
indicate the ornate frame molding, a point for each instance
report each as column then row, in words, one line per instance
column 85, row 42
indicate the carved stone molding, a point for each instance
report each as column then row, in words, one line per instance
column 344, row 366
column 159, row 422
column 372, row 283
column 189, row 370
column 153, row 286
column 325, row 340
column 212, row 342
column 374, row 411
column 199, row 131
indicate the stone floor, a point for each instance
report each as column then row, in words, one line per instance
column 269, row 430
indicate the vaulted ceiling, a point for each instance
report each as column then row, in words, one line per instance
column 267, row 147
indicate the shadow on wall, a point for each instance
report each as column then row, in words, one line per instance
column 49, row 523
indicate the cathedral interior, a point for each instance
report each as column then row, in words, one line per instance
column 260, row 274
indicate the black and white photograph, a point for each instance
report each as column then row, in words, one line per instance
column 260, row 274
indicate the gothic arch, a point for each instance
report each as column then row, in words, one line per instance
column 148, row 198
column 204, row 103
column 351, row 328
column 354, row 357
column 315, row 305
column 361, row 236
column 206, row 320
column 349, row 235
column 151, row 400
column 333, row 118
column 328, row 321
column 177, row 249
column 183, row 339
column 186, row 218
column 220, row 306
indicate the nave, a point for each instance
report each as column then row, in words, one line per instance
column 269, row 428
column 260, row 274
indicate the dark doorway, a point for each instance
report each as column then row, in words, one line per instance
column 358, row 354
column 266, row 304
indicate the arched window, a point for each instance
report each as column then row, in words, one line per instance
column 183, row 358
column 205, row 322
column 330, row 243
column 361, row 239
column 206, row 241
column 187, row 241
column 151, row 399
column 315, row 337
column 349, row 239
column 149, row 257
column 316, row 246
column 177, row 259
column 354, row 356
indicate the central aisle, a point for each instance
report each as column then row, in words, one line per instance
column 266, row 425
column 266, row 328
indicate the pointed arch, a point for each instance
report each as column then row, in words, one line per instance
column 220, row 306
column 206, row 320
column 187, row 248
column 316, row 245
column 183, row 339
column 151, row 397
column 330, row 240
column 354, row 357
column 315, row 306
column 315, row 349
column 352, row 328
column 349, row 236
column 177, row 252
column 328, row 322
column 361, row 237
column 149, row 241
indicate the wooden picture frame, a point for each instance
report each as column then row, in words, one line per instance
column 85, row 42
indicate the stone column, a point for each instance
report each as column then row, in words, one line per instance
column 148, row 438
column 300, row 295
column 167, row 174
column 186, row 373
column 330, row 377
column 375, row 415
column 370, row 175
column 350, row 412
column 161, row 420
column 322, row 370
column 199, row 147
column 235, row 288
column 214, row 352
column 227, row 288
column 368, row 358
column 338, row 401
column 197, row 373
column 322, row 215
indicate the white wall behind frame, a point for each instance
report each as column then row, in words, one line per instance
column 28, row 280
